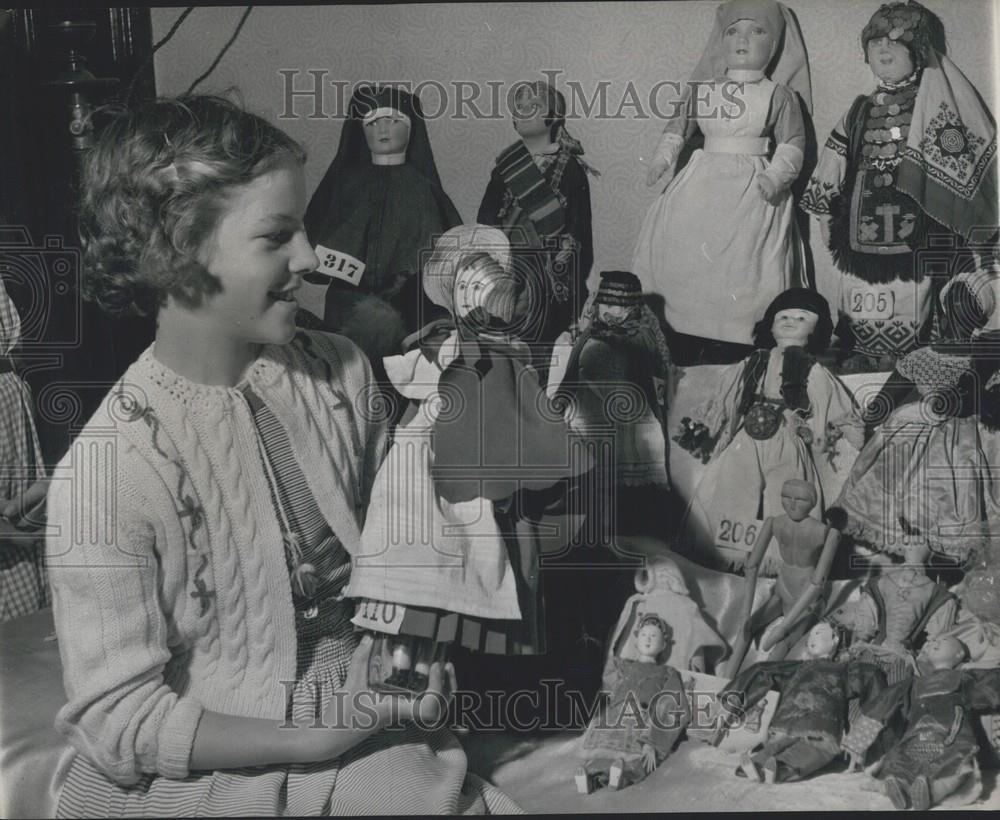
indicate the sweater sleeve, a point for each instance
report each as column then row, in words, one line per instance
column 105, row 574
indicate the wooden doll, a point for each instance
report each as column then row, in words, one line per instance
column 807, row 547
column 538, row 194
column 721, row 242
column 807, row 728
column 644, row 716
column 373, row 219
column 910, row 166
column 936, row 757
column 771, row 416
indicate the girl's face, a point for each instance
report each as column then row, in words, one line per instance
column 259, row 253
column 890, row 60
column 793, row 326
column 747, row 45
column 387, row 135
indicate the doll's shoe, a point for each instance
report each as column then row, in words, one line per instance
column 615, row 774
column 584, row 785
column 770, row 768
column 894, row 791
column 748, row 768
column 920, row 794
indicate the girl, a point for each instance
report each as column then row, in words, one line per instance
column 721, row 241
column 205, row 648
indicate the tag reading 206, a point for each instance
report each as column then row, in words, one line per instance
column 737, row 534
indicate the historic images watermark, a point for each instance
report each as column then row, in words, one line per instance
column 314, row 94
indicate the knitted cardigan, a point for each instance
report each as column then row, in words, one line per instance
column 171, row 592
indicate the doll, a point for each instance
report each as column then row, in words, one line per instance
column 721, row 241
column 450, row 549
column 936, row 757
column 807, row 728
column 929, row 472
column 538, row 194
column 915, row 159
column 373, row 219
column 771, row 415
column 643, row 717
column 662, row 591
column 807, row 547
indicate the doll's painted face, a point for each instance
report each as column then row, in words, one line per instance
column 387, row 135
column 944, row 653
column 821, row 641
column 793, row 326
column 650, row 641
column 798, row 499
column 747, row 44
column 890, row 60
column 612, row 314
column 916, row 553
column 529, row 113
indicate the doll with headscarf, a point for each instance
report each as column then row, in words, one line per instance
column 373, row 220
column 452, row 540
column 912, row 160
column 770, row 418
column 721, row 242
column 538, row 194
column 928, row 471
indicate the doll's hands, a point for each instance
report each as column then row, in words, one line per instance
column 659, row 171
column 648, row 758
column 769, row 189
column 774, row 633
column 430, row 706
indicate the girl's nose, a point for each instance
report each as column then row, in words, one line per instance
column 303, row 258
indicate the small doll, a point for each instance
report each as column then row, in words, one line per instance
column 806, row 731
column 373, row 219
column 721, row 241
column 538, row 194
column 662, row 591
column 936, row 757
column 915, row 159
column 451, row 545
column 807, row 547
column 771, row 415
column 635, row 730
column 618, row 375
column 929, row 470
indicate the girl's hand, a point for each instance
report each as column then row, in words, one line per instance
column 26, row 511
column 659, row 169
column 768, row 190
column 430, row 706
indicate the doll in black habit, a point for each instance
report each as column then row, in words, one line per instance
column 373, row 220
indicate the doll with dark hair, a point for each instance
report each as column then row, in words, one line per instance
column 915, row 159
column 538, row 194
column 932, row 418
column 373, row 219
column 770, row 415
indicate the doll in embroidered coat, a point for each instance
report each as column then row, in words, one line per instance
column 807, row 547
column 645, row 713
column 721, row 242
column 373, row 219
column 929, row 470
column 772, row 415
column 806, row 731
column 914, row 159
column 935, row 759
column 452, row 540
column 538, row 194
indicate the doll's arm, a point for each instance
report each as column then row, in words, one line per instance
column 983, row 689
column 943, row 618
column 489, row 208
column 789, row 138
column 827, row 179
column 742, row 640
column 579, row 229
column 668, row 716
column 877, row 707
column 860, row 617
column 834, row 410
column 707, row 430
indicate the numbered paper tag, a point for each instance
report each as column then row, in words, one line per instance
column 379, row 616
column 871, row 303
column 737, row 534
column 339, row 265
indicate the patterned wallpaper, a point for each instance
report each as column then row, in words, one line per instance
column 626, row 49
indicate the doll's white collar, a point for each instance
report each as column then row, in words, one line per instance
column 389, row 159
column 745, row 75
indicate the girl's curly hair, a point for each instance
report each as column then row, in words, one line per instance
column 153, row 188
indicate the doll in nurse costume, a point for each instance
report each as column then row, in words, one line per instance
column 913, row 160
column 772, row 417
column 373, row 219
column 721, row 242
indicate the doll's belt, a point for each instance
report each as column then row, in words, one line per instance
column 756, row 146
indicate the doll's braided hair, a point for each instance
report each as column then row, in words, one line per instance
column 649, row 619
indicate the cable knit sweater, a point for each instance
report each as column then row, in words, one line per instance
column 171, row 593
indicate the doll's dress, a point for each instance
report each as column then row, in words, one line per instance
column 647, row 705
column 930, row 470
column 710, row 245
column 742, row 483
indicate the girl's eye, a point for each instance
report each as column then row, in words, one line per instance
column 279, row 237
column 730, row 32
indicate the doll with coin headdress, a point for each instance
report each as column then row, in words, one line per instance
column 911, row 162
column 373, row 219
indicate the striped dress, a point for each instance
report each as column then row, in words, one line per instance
column 396, row 771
